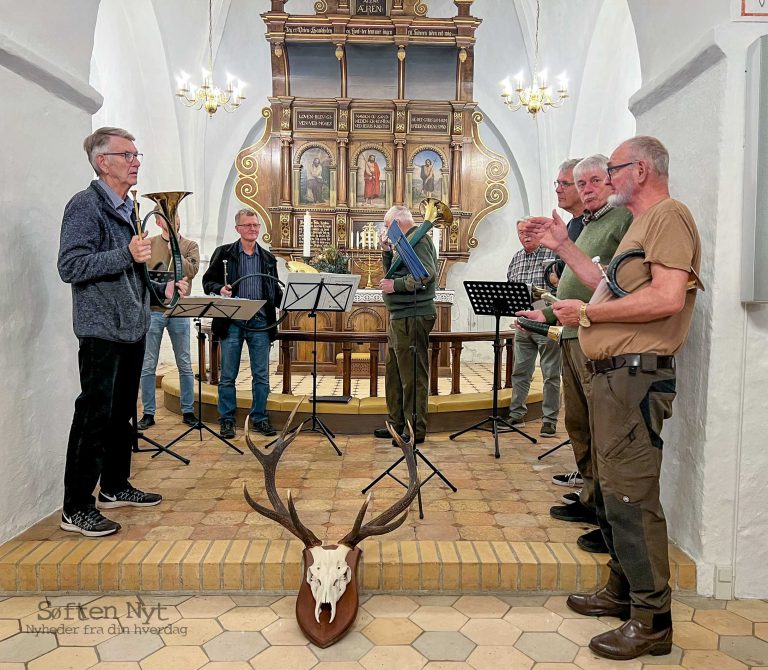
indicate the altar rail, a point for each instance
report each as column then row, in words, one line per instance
column 453, row 340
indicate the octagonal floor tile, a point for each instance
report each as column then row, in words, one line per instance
column 723, row 622
column 284, row 632
column 438, row 618
column 710, row 660
column 481, row 607
column 533, row 619
column 247, row 618
column 497, row 657
column 547, row 647
column 581, row 631
column 444, row 646
column 284, row 607
column 690, row 635
column 746, row 649
column 175, row 658
column 754, row 610
column 352, row 647
column 391, row 631
column 491, row 632
column 274, row 658
column 389, row 657
column 205, row 607
column 235, row 646
column 129, row 647
column 586, row 660
column 191, row 632
column 390, row 606
column 65, row 658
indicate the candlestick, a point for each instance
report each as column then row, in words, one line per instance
column 307, row 234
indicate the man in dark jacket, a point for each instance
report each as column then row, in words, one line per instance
column 257, row 268
column 100, row 255
column 412, row 315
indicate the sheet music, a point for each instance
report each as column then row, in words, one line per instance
column 337, row 294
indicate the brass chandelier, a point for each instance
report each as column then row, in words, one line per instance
column 208, row 96
column 538, row 97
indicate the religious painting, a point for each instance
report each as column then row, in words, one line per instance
column 427, row 180
column 315, row 180
column 371, row 179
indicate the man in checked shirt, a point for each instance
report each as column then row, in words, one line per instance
column 527, row 266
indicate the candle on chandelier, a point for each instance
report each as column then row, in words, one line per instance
column 307, row 234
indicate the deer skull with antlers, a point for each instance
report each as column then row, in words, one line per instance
column 327, row 604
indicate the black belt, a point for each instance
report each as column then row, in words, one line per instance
column 645, row 362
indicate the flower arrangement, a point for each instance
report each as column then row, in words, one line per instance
column 330, row 259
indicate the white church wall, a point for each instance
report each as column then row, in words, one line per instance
column 715, row 456
column 45, row 166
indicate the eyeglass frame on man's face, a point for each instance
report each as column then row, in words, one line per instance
column 563, row 184
column 612, row 169
column 130, row 156
column 252, row 226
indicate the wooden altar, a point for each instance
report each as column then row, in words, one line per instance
column 368, row 315
column 372, row 105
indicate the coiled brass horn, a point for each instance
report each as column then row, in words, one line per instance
column 168, row 203
column 436, row 212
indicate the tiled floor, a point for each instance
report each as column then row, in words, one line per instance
column 505, row 499
column 391, row 632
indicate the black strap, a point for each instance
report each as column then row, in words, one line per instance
column 178, row 266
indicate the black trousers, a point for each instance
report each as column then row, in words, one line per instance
column 101, row 438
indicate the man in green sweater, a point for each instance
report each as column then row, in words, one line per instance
column 412, row 314
column 604, row 226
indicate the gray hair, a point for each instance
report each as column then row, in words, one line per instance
column 98, row 143
column 650, row 149
column 246, row 211
column 596, row 162
column 400, row 213
column 568, row 164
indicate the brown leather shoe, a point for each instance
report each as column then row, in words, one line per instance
column 632, row 639
column 600, row 603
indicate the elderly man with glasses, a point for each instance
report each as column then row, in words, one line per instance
column 256, row 267
column 101, row 256
column 603, row 228
column 630, row 343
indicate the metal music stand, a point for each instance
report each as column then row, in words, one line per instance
column 497, row 299
column 197, row 308
column 416, row 268
column 318, row 292
column 157, row 447
column 564, row 443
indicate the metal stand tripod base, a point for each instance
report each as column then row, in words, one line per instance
column 317, row 427
column 494, row 421
column 554, row 449
column 200, row 426
column 157, row 448
column 427, row 462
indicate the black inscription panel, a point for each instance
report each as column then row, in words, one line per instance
column 321, row 233
column 431, row 32
column 370, row 7
column 308, row 30
column 372, row 121
column 315, row 119
column 428, row 122
column 369, row 31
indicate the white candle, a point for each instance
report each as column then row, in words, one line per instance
column 307, row 234
column 436, row 240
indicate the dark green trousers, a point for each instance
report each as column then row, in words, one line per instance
column 400, row 377
column 576, row 389
column 628, row 411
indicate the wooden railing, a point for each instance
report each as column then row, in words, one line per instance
column 454, row 340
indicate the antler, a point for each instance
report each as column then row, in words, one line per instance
column 383, row 523
column 286, row 517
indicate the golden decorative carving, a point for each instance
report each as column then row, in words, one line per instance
column 285, row 228
column 496, row 193
column 462, row 55
column 421, row 9
column 341, row 229
column 279, row 49
column 343, row 119
column 247, row 184
column 321, row 6
column 401, row 53
column 285, row 120
column 457, row 125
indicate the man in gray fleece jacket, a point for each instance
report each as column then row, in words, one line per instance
column 100, row 255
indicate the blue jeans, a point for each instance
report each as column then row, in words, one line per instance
column 258, row 351
column 178, row 329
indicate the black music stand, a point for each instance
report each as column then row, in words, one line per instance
column 197, row 308
column 497, row 299
column 156, row 446
column 416, row 269
column 321, row 292
column 564, row 443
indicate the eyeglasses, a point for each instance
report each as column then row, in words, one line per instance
column 562, row 184
column 129, row 156
column 248, row 225
column 612, row 169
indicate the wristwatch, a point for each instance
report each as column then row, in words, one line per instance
column 584, row 321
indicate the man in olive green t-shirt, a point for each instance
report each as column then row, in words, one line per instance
column 604, row 226
column 412, row 314
column 631, row 342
